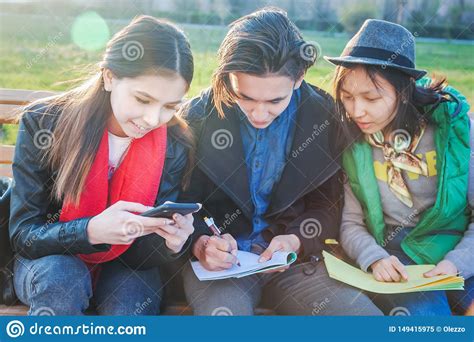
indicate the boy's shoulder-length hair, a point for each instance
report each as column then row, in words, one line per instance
column 260, row 43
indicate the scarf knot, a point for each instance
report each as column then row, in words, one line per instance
column 399, row 155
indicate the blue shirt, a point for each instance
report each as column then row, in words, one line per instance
column 265, row 152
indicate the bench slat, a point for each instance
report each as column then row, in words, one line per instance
column 6, row 159
column 8, row 113
column 14, row 310
column 22, row 96
column 6, row 154
column 174, row 309
column 12, row 99
column 6, row 171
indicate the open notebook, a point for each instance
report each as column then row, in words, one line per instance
column 248, row 265
column 353, row 276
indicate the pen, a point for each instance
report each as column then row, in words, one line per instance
column 215, row 230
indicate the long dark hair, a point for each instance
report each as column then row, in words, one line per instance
column 413, row 103
column 144, row 46
column 260, row 43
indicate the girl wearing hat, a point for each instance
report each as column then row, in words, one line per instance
column 407, row 156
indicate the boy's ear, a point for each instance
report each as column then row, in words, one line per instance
column 107, row 76
column 300, row 80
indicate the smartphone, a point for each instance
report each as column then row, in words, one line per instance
column 168, row 209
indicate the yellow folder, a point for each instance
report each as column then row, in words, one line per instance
column 353, row 276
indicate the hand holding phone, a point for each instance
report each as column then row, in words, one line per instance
column 168, row 209
column 177, row 233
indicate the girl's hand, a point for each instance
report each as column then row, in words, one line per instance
column 216, row 253
column 389, row 269
column 178, row 233
column 117, row 225
column 443, row 267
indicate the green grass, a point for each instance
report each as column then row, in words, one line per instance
column 38, row 54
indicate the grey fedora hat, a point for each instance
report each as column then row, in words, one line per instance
column 379, row 42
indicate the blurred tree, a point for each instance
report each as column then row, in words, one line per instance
column 400, row 10
column 353, row 18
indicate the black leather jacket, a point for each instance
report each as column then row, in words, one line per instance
column 34, row 228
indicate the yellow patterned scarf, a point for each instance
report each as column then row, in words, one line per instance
column 399, row 154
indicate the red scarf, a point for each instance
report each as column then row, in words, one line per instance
column 136, row 179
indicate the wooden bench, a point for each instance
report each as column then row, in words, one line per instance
column 11, row 102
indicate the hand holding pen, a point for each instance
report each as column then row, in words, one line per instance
column 229, row 244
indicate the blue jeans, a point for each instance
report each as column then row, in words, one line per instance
column 61, row 285
column 426, row 303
